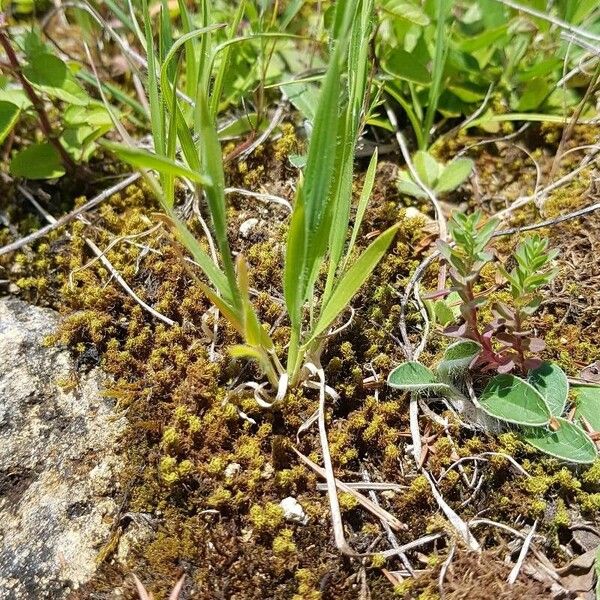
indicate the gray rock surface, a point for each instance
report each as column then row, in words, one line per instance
column 58, row 461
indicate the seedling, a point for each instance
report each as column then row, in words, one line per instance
column 439, row 178
column 317, row 234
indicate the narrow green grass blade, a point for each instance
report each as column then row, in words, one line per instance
column 156, row 109
column 294, row 262
column 365, row 194
column 211, row 162
column 204, row 64
column 142, row 159
column 217, row 88
column 341, row 199
column 191, row 60
column 210, row 269
column 353, row 279
column 439, row 61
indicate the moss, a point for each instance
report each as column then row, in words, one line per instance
column 592, row 475
column 308, row 585
column 283, row 544
column 561, row 515
column 378, row 561
column 266, row 518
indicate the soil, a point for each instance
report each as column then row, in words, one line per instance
column 206, row 469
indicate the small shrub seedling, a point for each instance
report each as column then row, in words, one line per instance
column 536, row 403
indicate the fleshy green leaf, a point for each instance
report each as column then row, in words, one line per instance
column 38, row 161
column 569, row 442
column 454, row 174
column 588, row 404
column 9, row 113
column 551, row 382
column 459, row 355
column 512, row 399
column 413, row 376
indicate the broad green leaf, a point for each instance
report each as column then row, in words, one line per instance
column 143, row 159
column 588, row 404
column 410, row 12
column 534, row 94
column 413, row 376
column 551, row 382
column 38, row 161
column 459, row 355
column 453, row 174
column 446, row 310
column 402, row 64
column 483, row 40
column 93, row 114
column 51, row 75
column 427, row 168
column 569, row 442
column 9, row 114
column 353, row 279
column 513, row 400
column 15, row 96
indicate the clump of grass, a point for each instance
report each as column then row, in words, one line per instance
column 316, row 240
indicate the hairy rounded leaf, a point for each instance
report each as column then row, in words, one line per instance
column 414, row 376
column 512, row 399
column 568, row 442
column 551, row 382
column 459, row 355
column 427, row 167
column 454, row 174
column 38, row 161
column 588, row 404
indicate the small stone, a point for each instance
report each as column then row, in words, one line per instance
column 268, row 471
column 247, row 226
column 293, row 511
column 232, row 469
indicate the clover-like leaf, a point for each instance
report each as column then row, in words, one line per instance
column 459, row 356
column 551, row 382
column 513, row 400
column 565, row 440
column 413, row 376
